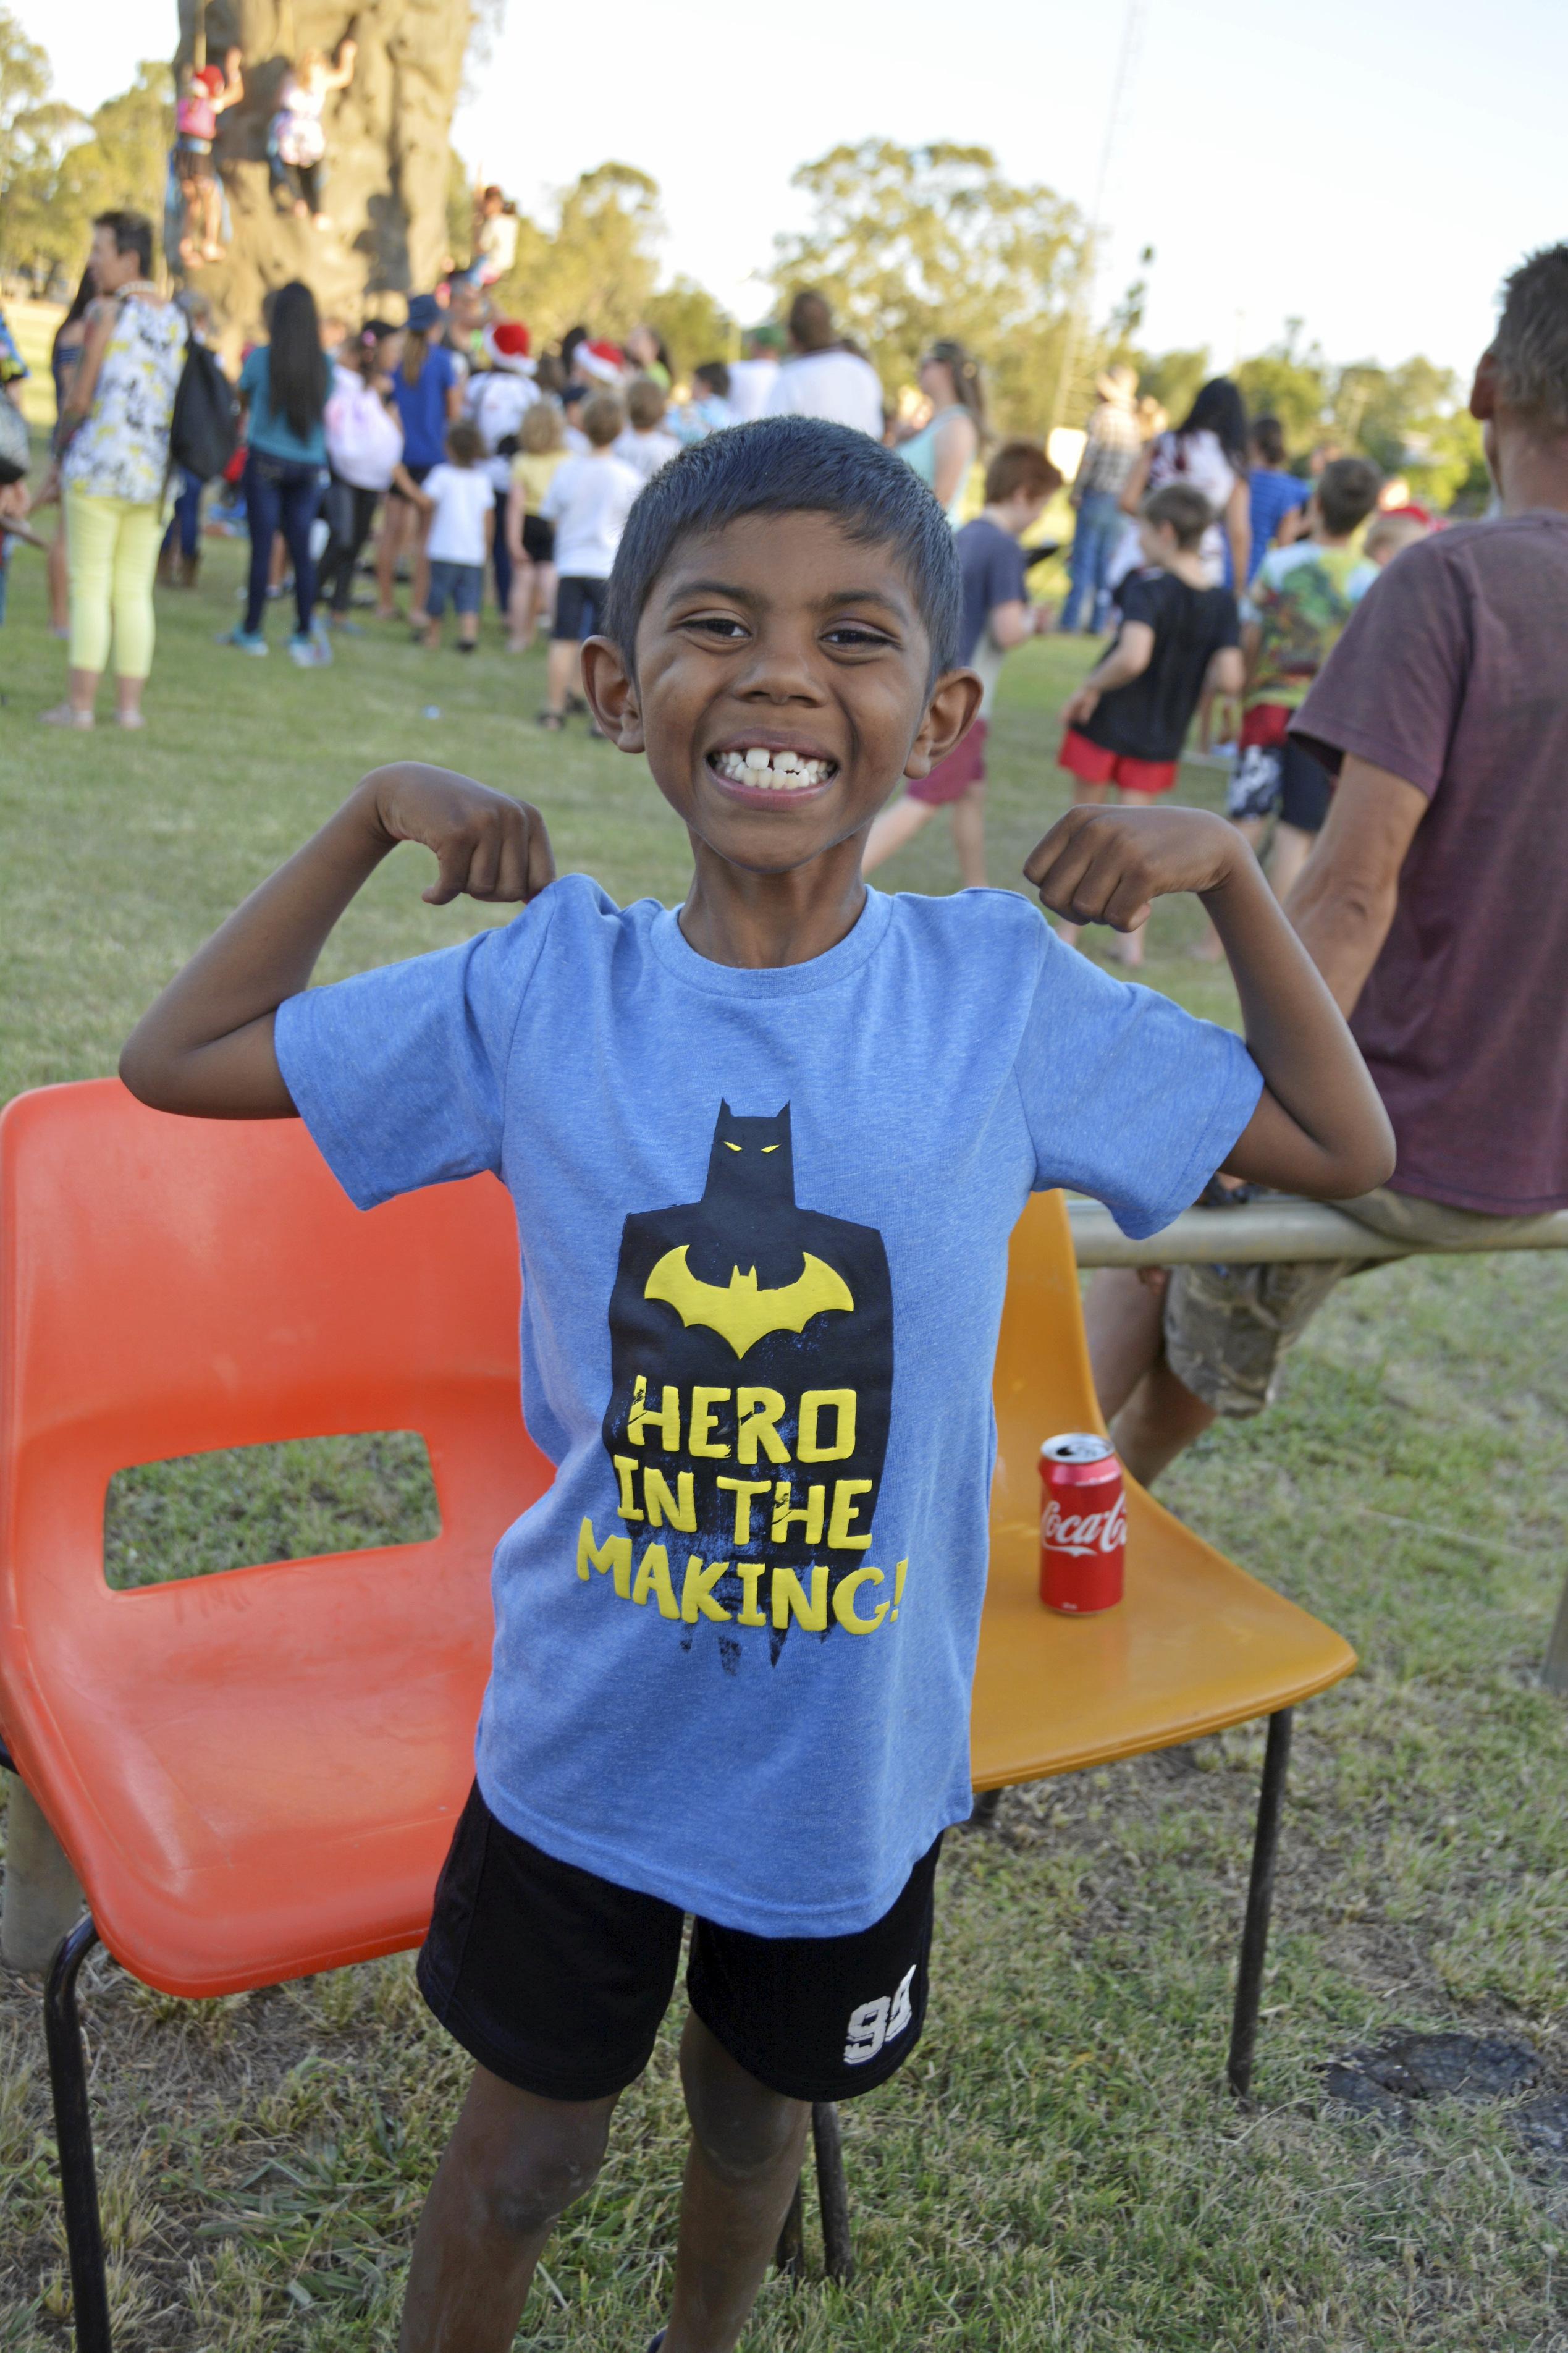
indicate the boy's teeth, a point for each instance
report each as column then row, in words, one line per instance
column 775, row 771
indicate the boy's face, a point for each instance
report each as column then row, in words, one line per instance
column 778, row 635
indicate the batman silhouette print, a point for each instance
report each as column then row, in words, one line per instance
column 752, row 1345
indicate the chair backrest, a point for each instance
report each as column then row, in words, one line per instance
column 169, row 1286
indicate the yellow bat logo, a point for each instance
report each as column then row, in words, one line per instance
column 741, row 1312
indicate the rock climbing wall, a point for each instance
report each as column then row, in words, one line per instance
column 388, row 138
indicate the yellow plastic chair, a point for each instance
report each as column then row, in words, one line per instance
column 1195, row 1645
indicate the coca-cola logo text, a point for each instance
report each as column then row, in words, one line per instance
column 1084, row 1531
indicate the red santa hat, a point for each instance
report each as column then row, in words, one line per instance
column 605, row 361
column 508, row 343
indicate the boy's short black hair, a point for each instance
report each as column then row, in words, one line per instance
column 1347, row 492
column 791, row 464
column 1186, row 511
column 715, row 375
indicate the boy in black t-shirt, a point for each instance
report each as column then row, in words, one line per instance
column 1127, row 722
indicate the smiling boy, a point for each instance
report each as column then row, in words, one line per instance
column 766, row 1152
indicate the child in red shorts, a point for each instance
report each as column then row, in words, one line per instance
column 1127, row 722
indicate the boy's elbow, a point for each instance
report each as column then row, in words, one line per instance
column 144, row 1072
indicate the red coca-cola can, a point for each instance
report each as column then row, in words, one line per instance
column 1083, row 1523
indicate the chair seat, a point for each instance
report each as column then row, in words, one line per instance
column 275, row 1791
column 1194, row 1645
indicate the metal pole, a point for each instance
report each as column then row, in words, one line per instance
column 73, row 2132
column 1284, row 1231
column 1554, row 1666
column 832, row 2193
column 1259, row 1904
column 43, row 1899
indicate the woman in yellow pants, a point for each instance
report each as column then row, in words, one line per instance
column 114, row 440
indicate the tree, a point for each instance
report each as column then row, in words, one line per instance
column 597, row 265
column 33, row 130
column 1294, row 385
column 694, row 324
column 123, row 164
column 388, row 150
column 910, row 244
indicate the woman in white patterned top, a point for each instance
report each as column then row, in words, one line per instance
column 113, row 449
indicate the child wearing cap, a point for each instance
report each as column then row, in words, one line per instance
column 735, row 1637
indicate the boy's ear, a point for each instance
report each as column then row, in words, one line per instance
column 954, row 700
column 612, row 694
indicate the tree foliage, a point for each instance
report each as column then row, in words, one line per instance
column 58, row 168
column 913, row 243
column 597, row 264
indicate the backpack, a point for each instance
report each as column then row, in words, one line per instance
column 204, row 430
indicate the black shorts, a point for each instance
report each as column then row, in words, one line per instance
column 556, row 1980
column 418, row 474
column 579, row 608
column 1281, row 780
column 538, row 539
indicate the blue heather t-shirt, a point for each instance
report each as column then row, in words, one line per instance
column 763, row 1218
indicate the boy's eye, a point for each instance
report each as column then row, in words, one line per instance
column 858, row 637
column 723, row 626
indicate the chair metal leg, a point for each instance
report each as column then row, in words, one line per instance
column 1260, row 1904
column 73, row 2131
column 789, row 2255
column 832, row 2193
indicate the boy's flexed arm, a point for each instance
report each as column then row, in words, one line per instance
column 1319, row 1127
column 205, row 1046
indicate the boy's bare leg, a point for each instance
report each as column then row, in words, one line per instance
column 1122, row 1316
column 969, row 837
column 388, row 549
column 81, row 694
column 421, row 589
column 562, row 672
column 1153, row 1416
column 513, row 2165
column 1292, row 849
column 746, row 2148
column 432, row 637
column 892, row 828
column 1159, row 1422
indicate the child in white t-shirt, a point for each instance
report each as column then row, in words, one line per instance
column 459, row 498
column 648, row 443
column 588, row 501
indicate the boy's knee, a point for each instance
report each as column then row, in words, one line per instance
column 742, row 2127
column 525, row 2185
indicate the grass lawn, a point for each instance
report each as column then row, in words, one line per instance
column 1057, row 2166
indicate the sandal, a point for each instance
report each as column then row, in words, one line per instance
column 552, row 722
column 65, row 715
column 577, row 705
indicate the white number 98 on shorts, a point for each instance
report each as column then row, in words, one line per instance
column 878, row 2022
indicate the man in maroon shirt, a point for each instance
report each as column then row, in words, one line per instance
column 1436, row 905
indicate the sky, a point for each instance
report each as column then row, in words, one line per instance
column 1370, row 167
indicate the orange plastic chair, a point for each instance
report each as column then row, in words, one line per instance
column 255, row 1774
